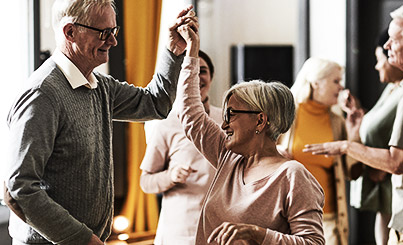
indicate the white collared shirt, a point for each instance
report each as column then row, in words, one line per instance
column 72, row 73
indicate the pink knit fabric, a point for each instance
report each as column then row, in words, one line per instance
column 288, row 203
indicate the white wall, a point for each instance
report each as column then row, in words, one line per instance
column 328, row 30
column 14, row 68
column 227, row 22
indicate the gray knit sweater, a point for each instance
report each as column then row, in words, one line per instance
column 61, row 170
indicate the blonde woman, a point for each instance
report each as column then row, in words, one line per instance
column 316, row 90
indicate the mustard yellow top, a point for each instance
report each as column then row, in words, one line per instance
column 313, row 126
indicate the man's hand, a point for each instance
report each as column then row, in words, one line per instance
column 12, row 204
column 376, row 175
column 180, row 173
column 191, row 38
column 95, row 240
column 176, row 43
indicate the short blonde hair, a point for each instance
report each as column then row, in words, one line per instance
column 71, row 11
column 272, row 98
column 313, row 69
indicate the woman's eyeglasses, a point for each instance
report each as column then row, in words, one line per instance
column 105, row 33
column 229, row 111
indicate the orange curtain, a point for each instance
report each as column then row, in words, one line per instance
column 141, row 23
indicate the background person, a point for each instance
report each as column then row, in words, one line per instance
column 174, row 167
column 373, row 190
column 391, row 158
column 316, row 90
column 60, row 181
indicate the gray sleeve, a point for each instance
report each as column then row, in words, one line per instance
column 396, row 138
column 155, row 101
column 33, row 123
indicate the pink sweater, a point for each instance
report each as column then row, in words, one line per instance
column 288, row 203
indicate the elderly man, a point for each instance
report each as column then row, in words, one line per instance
column 389, row 160
column 60, row 182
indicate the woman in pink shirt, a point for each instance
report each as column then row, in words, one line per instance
column 257, row 196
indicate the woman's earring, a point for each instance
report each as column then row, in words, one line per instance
column 257, row 132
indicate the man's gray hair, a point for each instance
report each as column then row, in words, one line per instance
column 397, row 13
column 71, row 11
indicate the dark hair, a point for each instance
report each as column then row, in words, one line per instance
column 210, row 65
column 382, row 39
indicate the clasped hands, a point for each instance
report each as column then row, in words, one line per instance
column 183, row 33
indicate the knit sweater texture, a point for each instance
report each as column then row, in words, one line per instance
column 61, row 163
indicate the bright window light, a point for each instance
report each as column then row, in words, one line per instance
column 14, row 67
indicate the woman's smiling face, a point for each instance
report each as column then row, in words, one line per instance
column 240, row 129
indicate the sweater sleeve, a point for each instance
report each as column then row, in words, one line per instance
column 304, row 217
column 155, row 177
column 33, row 123
column 203, row 131
column 131, row 103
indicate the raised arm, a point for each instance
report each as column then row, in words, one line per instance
column 203, row 131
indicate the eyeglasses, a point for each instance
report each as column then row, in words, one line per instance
column 229, row 111
column 105, row 33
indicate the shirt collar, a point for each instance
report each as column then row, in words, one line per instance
column 72, row 73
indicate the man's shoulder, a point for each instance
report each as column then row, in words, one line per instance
column 47, row 75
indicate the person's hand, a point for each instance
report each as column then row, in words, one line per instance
column 191, row 38
column 353, row 123
column 95, row 240
column 327, row 149
column 348, row 102
column 228, row 232
column 12, row 204
column 176, row 43
column 180, row 173
column 376, row 175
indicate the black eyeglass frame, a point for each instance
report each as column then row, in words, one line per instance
column 227, row 115
column 105, row 33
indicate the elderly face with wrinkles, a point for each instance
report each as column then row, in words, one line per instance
column 395, row 43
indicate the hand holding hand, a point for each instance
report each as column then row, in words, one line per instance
column 191, row 38
column 228, row 232
column 180, row 173
column 176, row 43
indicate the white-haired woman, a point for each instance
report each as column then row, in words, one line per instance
column 257, row 196
column 316, row 90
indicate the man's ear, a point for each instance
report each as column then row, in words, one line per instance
column 69, row 31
